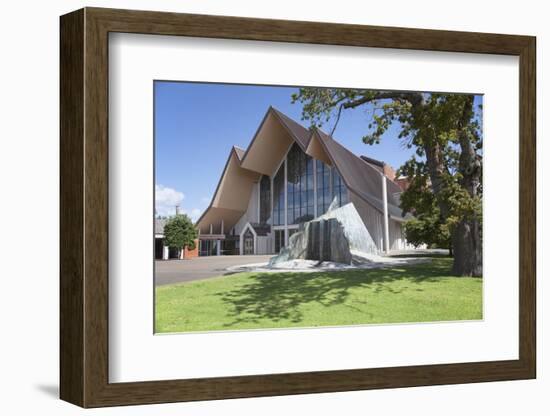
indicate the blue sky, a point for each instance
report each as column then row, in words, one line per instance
column 196, row 124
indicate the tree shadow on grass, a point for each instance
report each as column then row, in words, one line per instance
column 279, row 296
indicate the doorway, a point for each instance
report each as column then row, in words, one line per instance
column 248, row 243
column 159, row 248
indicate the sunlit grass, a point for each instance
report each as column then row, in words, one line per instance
column 420, row 293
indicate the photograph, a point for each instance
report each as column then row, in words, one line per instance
column 281, row 207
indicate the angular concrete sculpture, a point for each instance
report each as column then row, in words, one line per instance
column 338, row 236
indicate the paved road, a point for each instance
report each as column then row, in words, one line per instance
column 176, row 271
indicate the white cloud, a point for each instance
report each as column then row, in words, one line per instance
column 166, row 200
column 194, row 214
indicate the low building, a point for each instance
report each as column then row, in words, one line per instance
column 163, row 252
column 289, row 175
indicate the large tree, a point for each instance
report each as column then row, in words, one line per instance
column 446, row 171
column 179, row 232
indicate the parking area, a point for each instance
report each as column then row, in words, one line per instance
column 177, row 271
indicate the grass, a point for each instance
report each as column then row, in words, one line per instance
column 417, row 293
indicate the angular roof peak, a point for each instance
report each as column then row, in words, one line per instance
column 239, row 152
column 296, row 130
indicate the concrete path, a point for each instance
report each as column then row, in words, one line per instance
column 360, row 262
column 177, row 271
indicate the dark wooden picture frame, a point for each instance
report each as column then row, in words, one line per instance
column 84, row 207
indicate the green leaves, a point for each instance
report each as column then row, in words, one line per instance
column 180, row 232
column 429, row 230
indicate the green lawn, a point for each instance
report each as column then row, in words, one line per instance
column 419, row 293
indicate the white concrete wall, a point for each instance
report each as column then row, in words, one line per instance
column 397, row 236
column 264, row 245
column 372, row 218
column 251, row 214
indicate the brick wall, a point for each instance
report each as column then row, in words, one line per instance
column 189, row 254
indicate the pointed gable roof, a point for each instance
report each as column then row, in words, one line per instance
column 272, row 140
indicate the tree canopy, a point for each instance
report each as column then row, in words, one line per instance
column 445, row 173
column 180, row 232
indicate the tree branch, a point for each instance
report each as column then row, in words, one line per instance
column 337, row 120
column 470, row 165
column 414, row 98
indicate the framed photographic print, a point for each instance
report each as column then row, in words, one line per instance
column 256, row 207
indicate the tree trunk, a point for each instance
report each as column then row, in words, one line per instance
column 467, row 248
column 467, row 237
column 436, row 169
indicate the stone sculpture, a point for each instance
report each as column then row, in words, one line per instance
column 338, row 236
